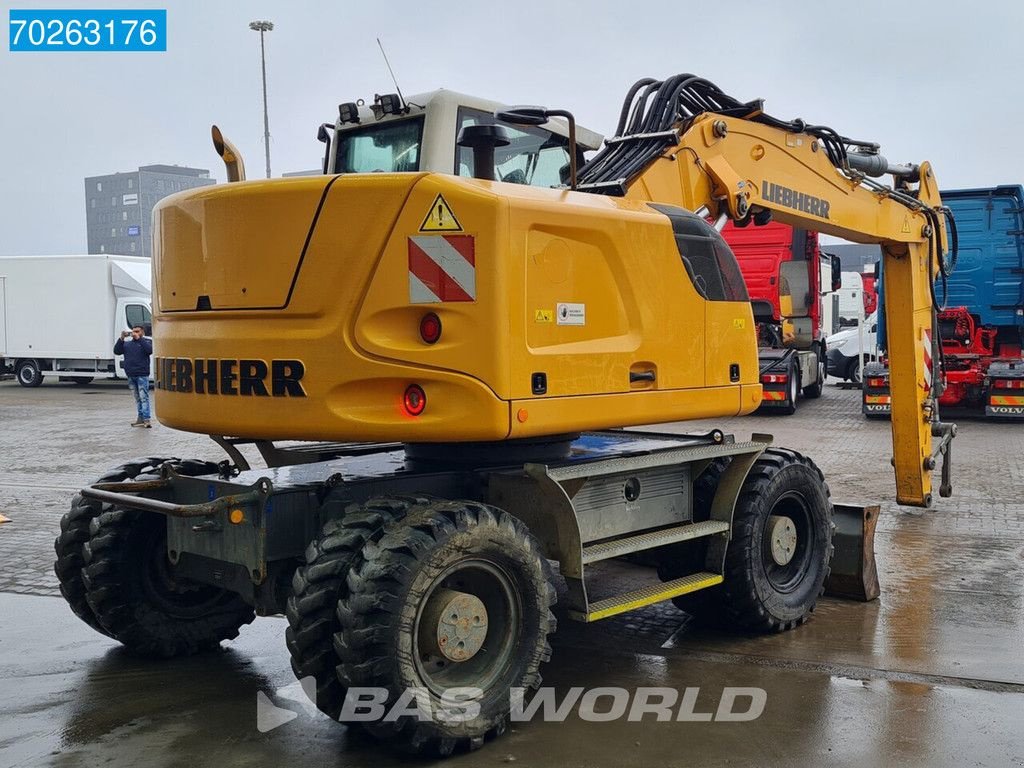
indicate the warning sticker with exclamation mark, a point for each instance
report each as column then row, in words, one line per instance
column 440, row 218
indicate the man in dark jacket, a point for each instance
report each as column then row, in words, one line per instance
column 137, row 351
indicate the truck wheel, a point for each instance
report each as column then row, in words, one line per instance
column 28, row 373
column 74, row 532
column 132, row 588
column 81, row 381
column 793, row 390
column 778, row 558
column 814, row 390
column 318, row 586
column 454, row 597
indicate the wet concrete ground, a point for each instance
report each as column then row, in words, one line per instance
column 932, row 674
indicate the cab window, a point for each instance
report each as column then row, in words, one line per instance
column 709, row 262
column 389, row 147
column 536, row 157
column 137, row 314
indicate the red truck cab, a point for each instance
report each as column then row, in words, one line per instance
column 787, row 277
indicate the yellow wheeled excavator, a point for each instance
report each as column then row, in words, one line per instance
column 457, row 344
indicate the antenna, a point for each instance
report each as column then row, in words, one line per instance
column 393, row 78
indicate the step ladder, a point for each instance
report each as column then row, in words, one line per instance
column 653, row 593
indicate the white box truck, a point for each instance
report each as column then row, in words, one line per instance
column 60, row 315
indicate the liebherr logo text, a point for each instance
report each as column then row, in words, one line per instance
column 281, row 378
column 776, row 193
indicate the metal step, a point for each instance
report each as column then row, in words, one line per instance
column 619, row 547
column 655, row 593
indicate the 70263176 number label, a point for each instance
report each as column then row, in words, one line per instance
column 79, row 30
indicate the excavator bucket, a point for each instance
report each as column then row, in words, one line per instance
column 854, row 574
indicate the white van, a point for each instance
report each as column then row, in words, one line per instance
column 846, row 347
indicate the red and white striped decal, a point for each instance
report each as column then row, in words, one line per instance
column 441, row 268
column 926, row 344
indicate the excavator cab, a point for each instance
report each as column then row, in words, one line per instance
column 393, row 135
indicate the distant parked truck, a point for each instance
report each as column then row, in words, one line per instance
column 790, row 283
column 982, row 330
column 60, row 315
column 851, row 299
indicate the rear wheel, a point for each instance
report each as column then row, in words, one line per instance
column 74, row 531
column 853, row 371
column 814, row 390
column 28, row 373
column 454, row 597
column 793, row 388
column 140, row 601
column 778, row 557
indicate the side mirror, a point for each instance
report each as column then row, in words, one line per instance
column 837, row 272
column 533, row 116
column 537, row 116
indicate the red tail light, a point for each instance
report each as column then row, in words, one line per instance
column 775, row 378
column 415, row 400
column 1008, row 384
column 876, row 381
column 430, row 328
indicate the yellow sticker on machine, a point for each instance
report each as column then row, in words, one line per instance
column 739, row 323
column 543, row 316
column 440, row 218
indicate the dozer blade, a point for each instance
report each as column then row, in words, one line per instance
column 854, row 574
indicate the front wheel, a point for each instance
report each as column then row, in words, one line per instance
column 455, row 597
column 29, row 374
column 781, row 546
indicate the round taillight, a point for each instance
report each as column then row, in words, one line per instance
column 415, row 400
column 430, row 328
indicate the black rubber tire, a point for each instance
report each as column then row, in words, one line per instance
column 82, row 381
column 317, row 587
column 123, row 549
column 74, row 533
column 853, row 371
column 780, row 481
column 379, row 616
column 793, row 389
column 688, row 557
column 813, row 391
column 28, row 374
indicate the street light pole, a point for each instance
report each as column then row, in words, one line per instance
column 262, row 27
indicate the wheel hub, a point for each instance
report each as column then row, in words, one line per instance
column 460, row 620
column 782, row 533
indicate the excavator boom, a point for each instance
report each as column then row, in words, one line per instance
column 746, row 166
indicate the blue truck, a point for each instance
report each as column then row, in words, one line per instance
column 981, row 330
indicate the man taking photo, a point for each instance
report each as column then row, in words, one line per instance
column 137, row 351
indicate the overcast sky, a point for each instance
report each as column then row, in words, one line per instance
column 928, row 80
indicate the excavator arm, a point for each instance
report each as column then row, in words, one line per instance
column 740, row 163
